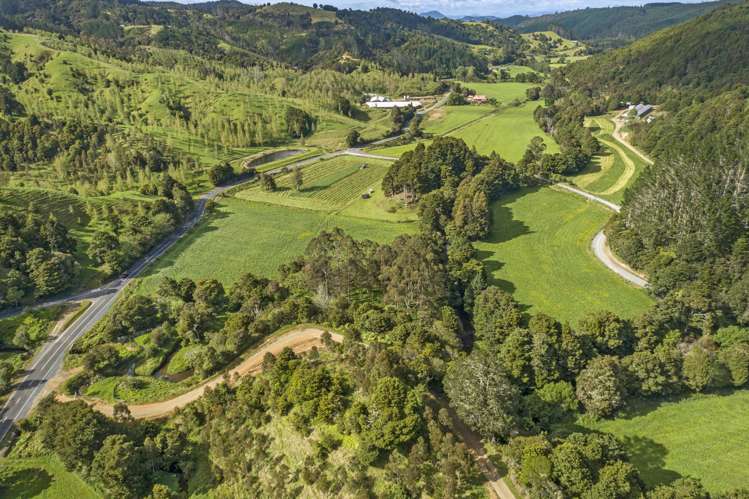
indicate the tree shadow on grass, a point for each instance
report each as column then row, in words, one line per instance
column 504, row 227
column 28, row 482
column 647, row 455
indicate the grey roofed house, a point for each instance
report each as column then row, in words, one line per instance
column 643, row 109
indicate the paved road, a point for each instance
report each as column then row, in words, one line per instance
column 600, row 245
column 48, row 360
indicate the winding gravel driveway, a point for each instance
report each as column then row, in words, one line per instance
column 299, row 340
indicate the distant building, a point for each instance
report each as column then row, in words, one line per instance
column 478, row 99
column 643, row 110
column 381, row 102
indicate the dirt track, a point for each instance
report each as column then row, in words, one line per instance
column 299, row 340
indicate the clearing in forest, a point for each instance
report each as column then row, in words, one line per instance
column 244, row 236
column 538, row 249
column 504, row 92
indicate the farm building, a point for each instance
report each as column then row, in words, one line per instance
column 478, row 99
column 643, row 110
column 381, row 102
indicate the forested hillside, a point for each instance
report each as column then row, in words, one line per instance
column 703, row 56
column 612, row 25
column 287, row 34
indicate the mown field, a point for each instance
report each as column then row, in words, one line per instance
column 702, row 436
column 504, row 92
column 539, row 250
column 327, row 185
column 610, row 173
column 446, row 119
column 41, row 478
column 507, row 132
column 245, row 236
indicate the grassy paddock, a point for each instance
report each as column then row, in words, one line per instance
column 242, row 236
column 539, row 250
column 508, row 132
column 328, row 185
column 611, row 173
column 703, row 436
column 41, row 478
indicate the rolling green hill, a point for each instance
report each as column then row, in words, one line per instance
column 283, row 33
column 612, row 24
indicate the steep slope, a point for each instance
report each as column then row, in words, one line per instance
column 705, row 55
column 612, row 23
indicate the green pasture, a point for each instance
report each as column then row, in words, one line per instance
column 539, row 250
column 446, row 119
column 134, row 389
column 611, row 172
column 702, row 436
column 507, row 132
column 41, row 478
column 327, row 185
column 243, row 236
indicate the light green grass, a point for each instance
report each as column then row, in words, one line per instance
column 508, row 133
column 504, row 92
column 381, row 207
column 116, row 388
column 702, row 436
column 612, row 172
column 539, row 250
column 327, row 185
column 446, row 119
column 244, row 236
column 180, row 361
column 41, row 478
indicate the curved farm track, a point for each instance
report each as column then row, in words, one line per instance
column 299, row 340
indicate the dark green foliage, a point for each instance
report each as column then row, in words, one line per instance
column 580, row 465
column 483, row 396
column 298, row 123
column 495, row 315
column 353, row 138
column 221, row 173
column 283, row 33
column 601, row 386
column 119, row 467
column 693, row 237
column 446, row 160
column 73, row 431
column 35, row 256
column 616, row 25
column 692, row 56
column 394, row 414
